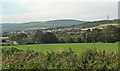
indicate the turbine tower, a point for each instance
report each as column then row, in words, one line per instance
column 107, row 19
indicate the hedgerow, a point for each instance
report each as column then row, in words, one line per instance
column 14, row 58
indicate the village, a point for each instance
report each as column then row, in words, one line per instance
column 48, row 30
column 29, row 32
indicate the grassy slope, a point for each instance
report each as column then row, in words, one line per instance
column 100, row 26
column 40, row 25
column 77, row 47
column 94, row 23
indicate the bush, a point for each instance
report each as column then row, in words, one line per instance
column 94, row 59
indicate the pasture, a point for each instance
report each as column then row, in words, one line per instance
column 77, row 47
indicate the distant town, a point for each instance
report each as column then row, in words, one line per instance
column 47, row 30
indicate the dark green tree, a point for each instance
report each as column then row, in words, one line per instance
column 12, row 38
column 37, row 37
column 20, row 38
column 61, row 40
column 95, row 35
column 78, row 40
column 110, row 34
column 49, row 38
column 69, row 40
column 17, row 37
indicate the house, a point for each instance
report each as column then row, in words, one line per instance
column 14, row 42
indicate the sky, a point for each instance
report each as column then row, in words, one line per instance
column 19, row 11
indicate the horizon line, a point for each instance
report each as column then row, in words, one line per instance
column 56, row 19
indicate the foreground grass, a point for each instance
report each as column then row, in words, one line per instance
column 77, row 47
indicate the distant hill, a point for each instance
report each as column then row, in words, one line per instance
column 93, row 24
column 40, row 25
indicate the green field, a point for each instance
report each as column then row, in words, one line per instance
column 77, row 47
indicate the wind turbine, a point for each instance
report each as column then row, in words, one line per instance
column 107, row 19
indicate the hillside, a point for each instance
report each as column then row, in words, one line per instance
column 93, row 24
column 40, row 25
column 63, row 23
column 100, row 26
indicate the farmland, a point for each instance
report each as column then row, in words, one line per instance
column 100, row 26
column 77, row 47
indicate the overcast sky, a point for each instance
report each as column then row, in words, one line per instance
column 44, row 10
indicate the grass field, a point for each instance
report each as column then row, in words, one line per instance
column 77, row 47
column 100, row 26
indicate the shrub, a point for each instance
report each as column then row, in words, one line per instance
column 94, row 59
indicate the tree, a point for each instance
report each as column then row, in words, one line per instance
column 20, row 38
column 78, row 40
column 69, row 40
column 110, row 34
column 95, row 35
column 3, row 40
column 88, row 31
column 37, row 37
column 12, row 38
column 49, row 38
column 61, row 40
column 29, row 40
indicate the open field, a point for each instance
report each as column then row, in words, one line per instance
column 77, row 47
column 100, row 26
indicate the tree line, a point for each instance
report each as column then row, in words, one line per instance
column 109, row 34
column 37, row 38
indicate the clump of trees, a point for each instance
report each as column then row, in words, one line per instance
column 49, row 38
column 19, row 38
column 37, row 38
column 69, row 40
column 109, row 34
